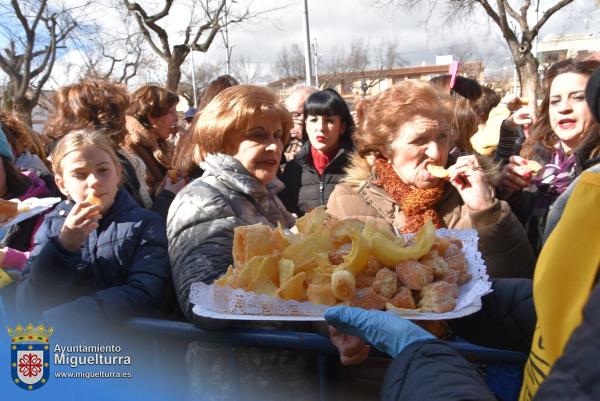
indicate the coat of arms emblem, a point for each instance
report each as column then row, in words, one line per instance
column 30, row 355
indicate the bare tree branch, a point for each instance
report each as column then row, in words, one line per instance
column 501, row 12
column 29, row 64
column 198, row 35
column 547, row 14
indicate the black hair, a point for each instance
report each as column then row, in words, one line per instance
column 329, row 103
column 16, row 182
column 465, row 87
column 592, row 94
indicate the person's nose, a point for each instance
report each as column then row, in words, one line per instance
column 93, row 181
column 323, row 123
column 273, row 144
column 565, row 106
column 433, row 150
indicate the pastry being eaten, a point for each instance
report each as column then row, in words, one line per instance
column 173, row 176
column 93, row 200
column 437, row 171
column 533, row 166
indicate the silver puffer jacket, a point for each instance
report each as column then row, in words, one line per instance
column 203, row 215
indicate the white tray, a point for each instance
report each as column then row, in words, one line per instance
column 227, row 303
column 35, row 205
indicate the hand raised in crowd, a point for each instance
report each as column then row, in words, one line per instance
column 353, row 350
column 177, row 186
column 467, row 176
column 515, row 175
column 171, row 186
column 80, row 222
column 523, row 117
column 512, row 102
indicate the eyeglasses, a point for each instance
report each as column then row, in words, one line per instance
column 298, row 118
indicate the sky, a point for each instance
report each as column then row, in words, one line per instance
column 337, row 22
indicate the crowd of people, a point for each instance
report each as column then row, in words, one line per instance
column 149, row 208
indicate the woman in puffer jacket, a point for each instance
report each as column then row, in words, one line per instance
column 241, row 133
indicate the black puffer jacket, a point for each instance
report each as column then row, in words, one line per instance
column 121, row 269
column 448, row 376
column 304, row 188
column 506, row 320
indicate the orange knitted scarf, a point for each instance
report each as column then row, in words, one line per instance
column 416, row 204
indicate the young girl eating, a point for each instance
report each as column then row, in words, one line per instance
column 98, row 255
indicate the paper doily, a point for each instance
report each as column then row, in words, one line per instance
column 239, row 304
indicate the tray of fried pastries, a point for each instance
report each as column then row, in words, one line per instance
column 283, row 275
column 15, row 211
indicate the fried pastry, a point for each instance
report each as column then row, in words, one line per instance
column 386, row 282
column 337, row 257
column 373, row 266
column 173, row 176
column 366, row 298
column 8, row 210
column 533, row 166
column 93, row 199
column 436, row 262
column 437, row 171
column 439, row 297
column 364, row 280
column 450, row 276
column 454, row 257
column 403, row 299
column 414, row 275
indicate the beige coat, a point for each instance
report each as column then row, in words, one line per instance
column 154, row 152
column 502, row 239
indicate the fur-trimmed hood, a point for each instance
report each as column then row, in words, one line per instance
column 359, row 170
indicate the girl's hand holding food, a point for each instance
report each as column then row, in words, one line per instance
column 80, row 222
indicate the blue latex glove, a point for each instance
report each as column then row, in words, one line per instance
column 387, row 332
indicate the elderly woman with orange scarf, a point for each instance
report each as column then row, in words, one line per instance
column 402, row 133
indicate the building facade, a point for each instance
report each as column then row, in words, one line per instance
column 369, row 83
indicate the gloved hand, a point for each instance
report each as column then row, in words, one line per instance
column 386, row 332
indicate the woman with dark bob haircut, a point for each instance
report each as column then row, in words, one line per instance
column 313, row 173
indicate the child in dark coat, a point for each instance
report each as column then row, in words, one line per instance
column 98, row 255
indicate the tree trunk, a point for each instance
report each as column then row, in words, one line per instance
column 526, row 65
column 178, row 56
column 23, row 107
column 173, row 75
column 529, row 78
